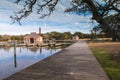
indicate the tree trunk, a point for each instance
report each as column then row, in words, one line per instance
column 114, row 37
column 96, row 16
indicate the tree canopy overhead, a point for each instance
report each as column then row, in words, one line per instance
column 99, row 9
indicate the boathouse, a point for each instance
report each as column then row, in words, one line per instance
column 33, row 38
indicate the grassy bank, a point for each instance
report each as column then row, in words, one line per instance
column 104, row 53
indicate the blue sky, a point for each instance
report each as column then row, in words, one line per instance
column 58, row 21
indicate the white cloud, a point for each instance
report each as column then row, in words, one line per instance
column 7, row 9
column 7, row 5
column 15, row 29
column 58, row 15
column 70, row 22
column 18, row 30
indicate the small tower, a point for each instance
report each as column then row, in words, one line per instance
column 39, row 31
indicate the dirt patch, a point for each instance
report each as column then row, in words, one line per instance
column 111, row 47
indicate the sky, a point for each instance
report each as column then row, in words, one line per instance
column 57, row 21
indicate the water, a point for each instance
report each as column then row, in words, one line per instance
column 15, row 59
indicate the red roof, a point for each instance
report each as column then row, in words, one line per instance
column 32, row 35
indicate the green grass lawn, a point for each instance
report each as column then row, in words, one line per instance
column 111, row 67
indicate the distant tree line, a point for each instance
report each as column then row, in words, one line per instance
column 53, row 35
column 12, row 38
column 64, row 36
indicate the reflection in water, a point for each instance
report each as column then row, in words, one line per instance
column 50, row 51
column 40, row 50
column 22, row 57
column 33, row 49
column 5, row 48
column 20, row 49
column 15, row 61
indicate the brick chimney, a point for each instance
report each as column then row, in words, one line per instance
column 39, row 31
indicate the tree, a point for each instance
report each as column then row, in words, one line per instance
column 114, row 22
column 98, row 9
column 1, row 37
column 56, row 35
column 18, row 38
column 81, row 35
column 44, row 8
column 47, row 36
column 67, row 35
column 6, row 37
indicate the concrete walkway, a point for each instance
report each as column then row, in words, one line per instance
column 73, row 63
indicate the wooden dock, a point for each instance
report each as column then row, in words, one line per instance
column 7, row 44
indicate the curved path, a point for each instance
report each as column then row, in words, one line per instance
column 75, row 62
